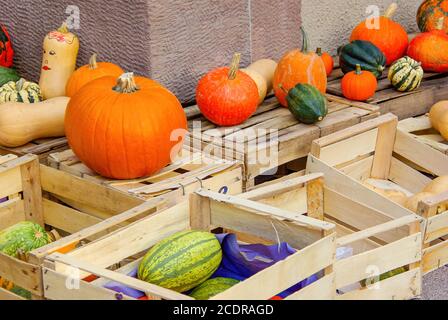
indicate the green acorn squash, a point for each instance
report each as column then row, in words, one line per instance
column 7, row 75
column 364, row 53
column 307, row 103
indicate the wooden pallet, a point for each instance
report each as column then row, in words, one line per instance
column 380, row 241
column 376, row 154
column 23, row 181
column 272, row 136
column 403, row 104
column 205, row 210
column 191, row 171
column 42, row 148
column 420, row 128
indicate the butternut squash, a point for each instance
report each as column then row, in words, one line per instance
column 60, row 51
column 438, row 186
column 21, row 123
column 266, row 68
column 260, row 81
column 439, row 118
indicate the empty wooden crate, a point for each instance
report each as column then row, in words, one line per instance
column 384, row 167
column 378, row 254
column 205, row 210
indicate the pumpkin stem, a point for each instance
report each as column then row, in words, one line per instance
column 305, row 42
column 358, row 69
column 92, row 62
column 391, row 10
column 126, row 83
column 319, row 51
column 63, row 28
column 19, row 84
column 234, row 66
column 440, row 22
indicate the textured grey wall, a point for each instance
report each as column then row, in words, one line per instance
column 330, row 22
column 172, row 41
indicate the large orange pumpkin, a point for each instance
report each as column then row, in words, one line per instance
column 299, row 66
column 431, row 49
column 227, row 96
column 429, row 13
column 123, row 129
column 89, row 72
column 390, row 37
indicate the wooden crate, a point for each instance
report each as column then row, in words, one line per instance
column 403, row 104
column 189, row 172
column 376, row 154
column 420, row 129
column 42, row 148
column 272, row 136
column 41, row 194
column 205, row 210
column 380, row 241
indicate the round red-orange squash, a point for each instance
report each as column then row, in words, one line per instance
column 299, row 66
column 124, row 129
column 359, row 85
column 89, row 72
column 327, row 59
column 429, row 13
column 431, row 49
column 227, row 96
column 389, row 36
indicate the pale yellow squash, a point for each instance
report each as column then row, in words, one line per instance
column 21, row 123
column 260, row 81
column 266, row 68
column 438, row 186
column 60, row 51
column 439, row 118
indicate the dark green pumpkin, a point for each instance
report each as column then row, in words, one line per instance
column 364, row 53
column 7, row 75
column 307, row 103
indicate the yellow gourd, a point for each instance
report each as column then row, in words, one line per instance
column 412, row 203
column 260, row 81
column 60, row 51
column 438, row 186
column 266, row 68
column 21, row 123
column 439, row 118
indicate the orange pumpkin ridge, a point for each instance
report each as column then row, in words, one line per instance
column 327, row 59
column 359, row 85
column 299, row 66
column 122, row 129
column 391, row 38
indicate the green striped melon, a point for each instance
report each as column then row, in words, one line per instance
column 181, row 261
column 406, row 74
column 23, row 237
column 212, row 287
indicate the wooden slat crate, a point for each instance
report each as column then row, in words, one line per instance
column 189, row 172
column 42, row 148
column 376, row 156
column 381, row 241
column 420, row 129
column 403, row 104
column 205, row 210
column 33, row 193
column 272, row 136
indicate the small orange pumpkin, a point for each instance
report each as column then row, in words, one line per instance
column 327, row 59
column 124, row 129
column 227, row 96
column 359, row 85
column 431, row 49
column 299, row 66
column 89, row 72
column 390, row 37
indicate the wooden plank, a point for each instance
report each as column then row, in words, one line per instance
column 384, row 149
column 404, row 286
column 435, row 257
column 285, row 273
column 32, row 192
column 407, row 177
column 23, row 274
column 200, row 213
column 11, row 212
column 6, row 295
column 358, row 170
column 386, row 258
column 10, row 181
column 315, row 199
column 323, row 289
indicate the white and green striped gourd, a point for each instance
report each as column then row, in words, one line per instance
column 20, row 91
column 406, row 74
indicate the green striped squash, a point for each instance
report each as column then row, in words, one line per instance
column 406, row 74
column 20, row 91
column 23, row 237
column 307, row 103
column 212, row 287
column 181, row 261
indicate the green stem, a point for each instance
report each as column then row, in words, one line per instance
column 358, row 69
column 63, row 28
column 319, row 52
column 305, row 42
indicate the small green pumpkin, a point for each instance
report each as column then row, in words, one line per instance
column 364, row 53
column 20, row 91
column 307, row 103
column 406, row 74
